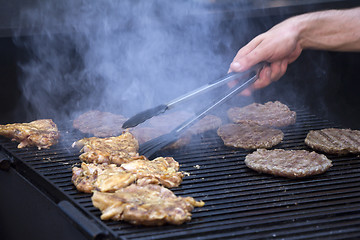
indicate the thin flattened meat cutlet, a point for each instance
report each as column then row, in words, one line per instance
column 288, row 163
column 110, row 177
column 101, row 177
column 150, row 205
column 249, row 136
column 100, row 124
column 117, row 150
column 334, row 140
column 273, row 114
column 161, row 170
column 41, row 133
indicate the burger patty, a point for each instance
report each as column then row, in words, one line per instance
column 288, row 163
column 273, row 114
column 334, row 140
column 151, row 205
column 100, row 124
column 41, row 133
column 249, row 136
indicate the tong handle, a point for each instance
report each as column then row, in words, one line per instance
column 215, row 84
column 253, row 72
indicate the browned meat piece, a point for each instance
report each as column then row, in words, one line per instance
column 209, row 122
column 101, row 177
column 250, row 136
column 273, row 114
column 110, row 177
column 41, row 133
column 288, row 163
column 145, row 205
column 334, row 140
column 118, row 150
column 164, row 171
column 100, row 124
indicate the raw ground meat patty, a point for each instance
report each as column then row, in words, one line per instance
column 273, row 114
column 250, row 136
column 288, row 163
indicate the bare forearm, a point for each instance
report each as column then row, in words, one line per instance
column 337, row 30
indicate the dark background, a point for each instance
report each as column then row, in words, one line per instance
column 325, row 82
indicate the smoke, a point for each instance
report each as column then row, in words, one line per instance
column 118, row 56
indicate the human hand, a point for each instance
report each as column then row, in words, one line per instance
column 279, row 46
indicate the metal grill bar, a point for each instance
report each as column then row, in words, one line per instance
column 240, row 203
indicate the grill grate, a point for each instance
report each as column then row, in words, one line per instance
column 240, row 203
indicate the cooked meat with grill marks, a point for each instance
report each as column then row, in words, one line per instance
column 161, row 170
column 110, row 177
column 151, row 205
column 273, row 114
column 250, row 136
column 41, row 133
column 288, row 163
column 334, row 140
column 118, row 150
column 100, row 124
column 101, row 177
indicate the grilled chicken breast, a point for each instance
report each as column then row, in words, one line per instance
column 110, row 177
column 41, row 133
column 161, row 170
column 117, row 150
column 145, row 205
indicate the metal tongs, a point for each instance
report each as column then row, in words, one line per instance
column 244, row 79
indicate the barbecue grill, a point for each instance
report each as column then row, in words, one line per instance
column 38, row 200
column 239, row 202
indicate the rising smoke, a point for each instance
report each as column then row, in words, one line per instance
column 118, row 56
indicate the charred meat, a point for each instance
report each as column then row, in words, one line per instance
column 41, row 133
column 145, row 205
